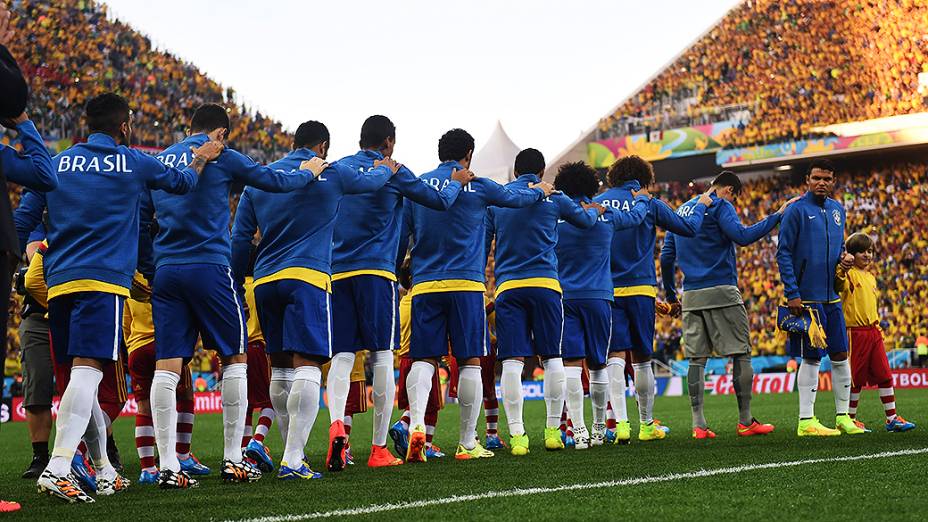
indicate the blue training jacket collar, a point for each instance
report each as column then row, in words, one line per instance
column 375, row 154
column 99, row 138
column 631, row 185
column 452, row 164
column 812, row 198
column 302, row 154
column 530, row 178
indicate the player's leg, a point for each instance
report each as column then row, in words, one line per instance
column 619, row 345
column 270, row 316
column 38, row 389
column 345, row 342
column 596, row 325
column 185, row 419
column 435, row 404
column 467, row 330
column 807, row 384
column 547, row 322
column 428, row 342
column 513, row 345
column 112, row 396
column 641, row 313
column 573, row 352
column 697, row 349
column 832, row 316
column 490, row 401
column 399, row 432
column 142, row 369
column 259, row 383
column 88, row 327
column 880, row 373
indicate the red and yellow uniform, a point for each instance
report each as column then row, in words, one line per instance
column 869, row 364
column 436, row 401
column 259, row 367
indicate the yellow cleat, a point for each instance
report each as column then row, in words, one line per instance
column 651, row 431
column 847, row 425
column 623, row 433
column 813, row 428
column 553, row 440
column 519, row 445
column 479, row 452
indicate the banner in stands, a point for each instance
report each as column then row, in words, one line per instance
column 673, row 143
column 829, row 145
column 903, row 378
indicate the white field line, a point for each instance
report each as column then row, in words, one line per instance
column 522, row 492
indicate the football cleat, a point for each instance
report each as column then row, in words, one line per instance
column 519, row 445
column 349, row 458
column 598, row 434
column 259, row 453
column 9, row 507
column 148, row 477
column 85, row 475
column 168, row 479
column 651, row 431
column 813, row 428
column 192, row 466
column 434, row 452
column 661, row 427
column 111, row 487
column 63, row 487
column 899, row 425
column 242, row 471
column 862, row 426
column 400, row 436
column 338, row 440
column 36, row 467
column 755, row 428
column 846, row 424
column 112, row 453
column 703, row 433
column 553, row 440
column 582, row 437
column 479, row 452
column 623, row 433
column 610, row 436
column 416, row 450
column 493, row 442
column 381, row 457
column 303, row 472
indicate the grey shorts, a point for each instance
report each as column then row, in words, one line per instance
column 720, row 331
column 38, row 373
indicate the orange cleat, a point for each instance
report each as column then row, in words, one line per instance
column 381, row 458
column 755, row 428
column 416, row 450
column 703, row 433
column 338, row 441
column 8, row 507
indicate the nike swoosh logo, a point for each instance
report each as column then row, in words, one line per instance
column 811, row 217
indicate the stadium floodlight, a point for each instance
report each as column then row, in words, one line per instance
column 783, row 168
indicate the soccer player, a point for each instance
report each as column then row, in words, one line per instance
column 293, row 281
column 193, row 292
column 808, row 255
column 714, row 316
column 869, row 365
column 448, row 265
column 529, row 312
column 259, row 384
column 634, row 289
column 364, row 293
column 93, row 227
column 139, row 333
column 583, row 271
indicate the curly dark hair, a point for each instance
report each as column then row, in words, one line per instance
column 577, row 179
column 454, row 145
column 630, row 168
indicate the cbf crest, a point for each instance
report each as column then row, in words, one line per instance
column 836, row 216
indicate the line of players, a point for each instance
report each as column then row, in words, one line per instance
column 575, row 281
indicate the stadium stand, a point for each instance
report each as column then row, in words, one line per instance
column 783, row 68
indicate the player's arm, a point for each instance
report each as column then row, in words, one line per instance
column 669, row 220
column 247, row 171
column 581, row 216
column 354, row 181
column 159, row 176
column 634, row 217
column 405, row 235
column 28, row 215
column 489, row 232
column 426, row 195
column 669, row 267
column 33, row 168
column 786, row 245
column 741, row 235
column 146, row 260
column 34, row 281
column 510, row 197
column 243, row 231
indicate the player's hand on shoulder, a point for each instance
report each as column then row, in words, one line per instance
column 462, row 176
column 599, row 208
column 315, row 165
column 390, row 163
column 643, row 191
column 212, row 148
column 706, row 198
column 787, row 204
column 546, row 187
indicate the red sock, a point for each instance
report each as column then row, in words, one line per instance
column 264, row 424
column 246, row 435
column 855, row 398
column 888, row 398
column 610, row 417
column 184, row 428
column 563, row 426
column 570, row 428
column 145, row 441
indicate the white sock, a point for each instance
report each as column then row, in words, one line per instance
column 574, row 385
column 418, row 387
column 74, row 412
column 599, row 394
column 615, row 367
column 164, row 417
column 841, row 383
column 234, row 409
column 645, row 389
column 510, row 384
column 337, row 384
column 470, row 398
column 554, row 390
column 807, row 382
column 281, row 381
column 384, row 394
column 95, row 437
column 303, row 405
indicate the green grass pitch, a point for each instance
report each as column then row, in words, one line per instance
column 885, row 487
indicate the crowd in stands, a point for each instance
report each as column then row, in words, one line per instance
column 71, row 51
column 781, row 68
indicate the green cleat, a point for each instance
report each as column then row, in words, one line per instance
column 553, row 440
column 623, row 433
column 650, row 431
column 519, row 445
column 813, row 428
column 479, row 452
column 846, row 424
